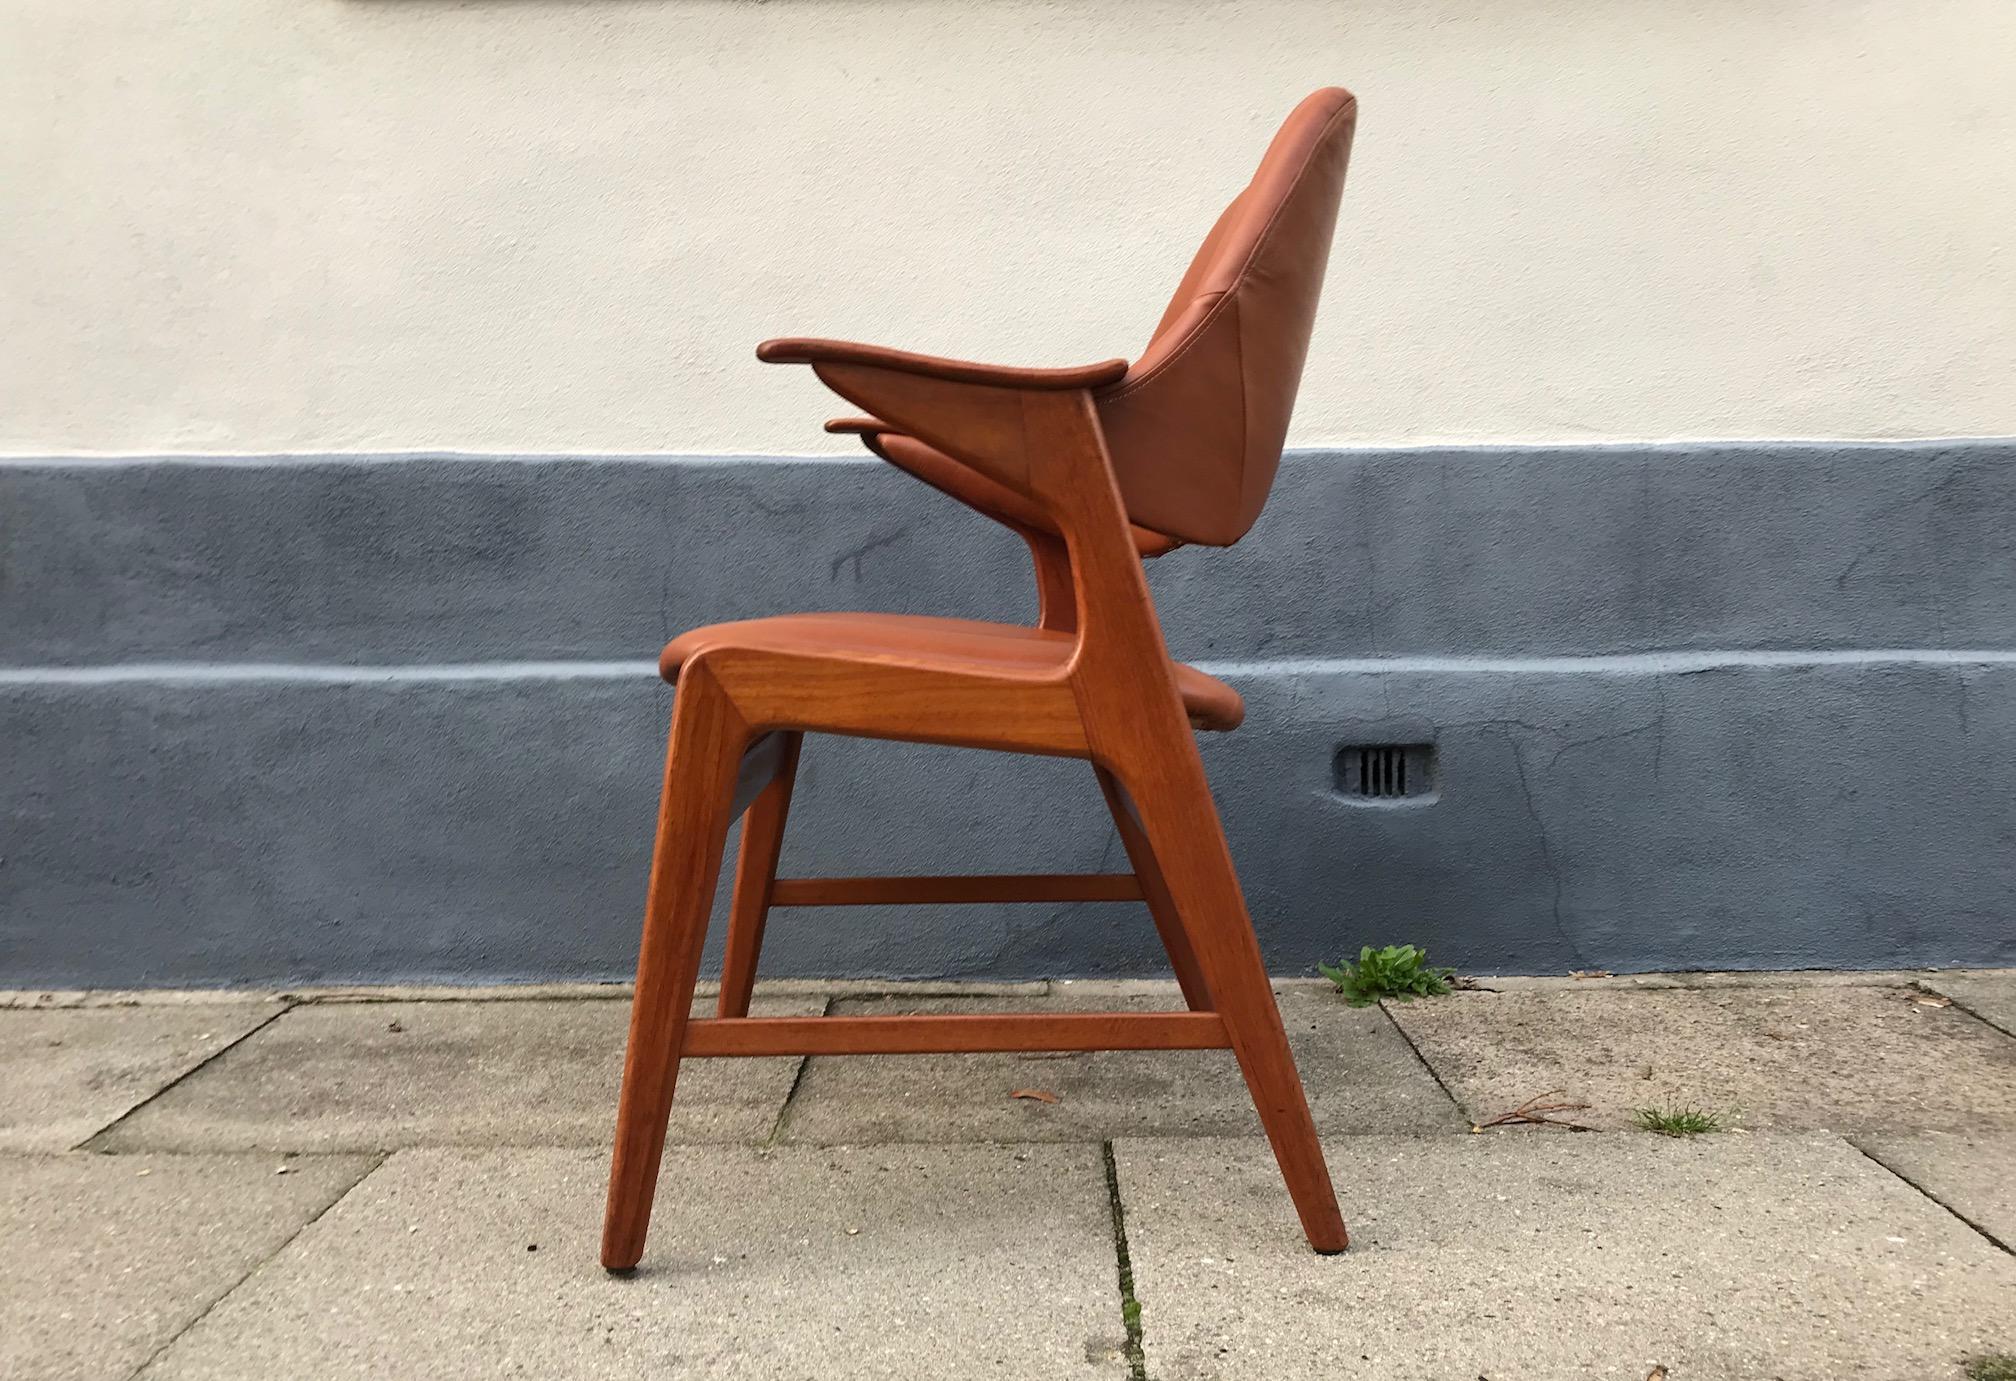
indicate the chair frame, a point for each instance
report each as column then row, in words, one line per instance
column 1027, row 450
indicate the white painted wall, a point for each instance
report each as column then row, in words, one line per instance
column 251, row 225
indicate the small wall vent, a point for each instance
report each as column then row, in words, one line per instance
column 1375, row 772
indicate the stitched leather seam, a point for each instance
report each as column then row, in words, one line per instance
column 1120, row 391
column 1210, row 319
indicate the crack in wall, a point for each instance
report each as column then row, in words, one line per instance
column 1655, row 725
column 854, row 554
column 1931, row 491
column 1547, row 858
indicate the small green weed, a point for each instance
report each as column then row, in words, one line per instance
column 1400, row 971
column 1678, row 1121
column 1995, row 1366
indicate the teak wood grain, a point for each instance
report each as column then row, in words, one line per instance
column 1095, row 468
column 934, row 1035
column 955, row 891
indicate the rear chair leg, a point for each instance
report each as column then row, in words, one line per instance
column 700, row 765
column 1181, row 829
column 755, row 876
column 1155, row 891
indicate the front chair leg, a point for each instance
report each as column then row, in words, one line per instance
column 700, row 765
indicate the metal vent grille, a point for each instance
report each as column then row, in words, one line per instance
column 1385, row 771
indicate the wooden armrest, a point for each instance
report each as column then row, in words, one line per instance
column 974, row 414
column 974, row 490
column 968, row 486
column 795, row 350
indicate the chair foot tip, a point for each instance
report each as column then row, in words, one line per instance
column 1331, row 1243
column 620, row 1272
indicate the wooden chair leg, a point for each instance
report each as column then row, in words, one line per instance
column 1182, row 830
column 1155, row 892
column 700, row 766
column 755, row 875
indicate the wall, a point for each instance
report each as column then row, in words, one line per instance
column 354, row 719
column 561, row 225
column 376, row 396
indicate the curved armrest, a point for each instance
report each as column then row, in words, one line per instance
column 796, row 350
column 975, row 490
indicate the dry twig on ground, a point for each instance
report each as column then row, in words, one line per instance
column 1534, row 1112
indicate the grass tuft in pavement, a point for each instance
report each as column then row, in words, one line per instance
column 1678, row 1121
column 1995, row 1366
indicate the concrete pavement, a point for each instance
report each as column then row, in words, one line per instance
column 408, row 1182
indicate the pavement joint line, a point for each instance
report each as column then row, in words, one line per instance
column 311, row 998
column 378, row 1159
column 126, row 999
column 1433, row 1073
column 85, row 1145
column 1889, row 1169
column 1130, row 1304
column 1988, row 1022
column 444, row 994
column 791, row 1094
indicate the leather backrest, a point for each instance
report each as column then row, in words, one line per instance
column 1196, row 426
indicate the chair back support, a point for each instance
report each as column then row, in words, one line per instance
column 1196, row 426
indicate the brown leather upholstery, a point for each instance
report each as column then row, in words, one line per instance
column 1196, row 427
column 955, row 644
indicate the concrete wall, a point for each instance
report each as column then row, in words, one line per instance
column 284, row 697
column 560, row 225
column 357, row 718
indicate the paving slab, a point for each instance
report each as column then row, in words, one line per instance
column 1791, row 1257
column 384, row 1075
column 104, row 1259
column 71, row 1071
column 1989, row 994
column 1839, row 1057
column 1973, row 1175
column 942, row 1262
column 1357, row 1069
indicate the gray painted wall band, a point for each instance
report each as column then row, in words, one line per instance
column 1480, row 551
column 300, row 720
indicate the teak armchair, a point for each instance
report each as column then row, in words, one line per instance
column 1096, row 468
